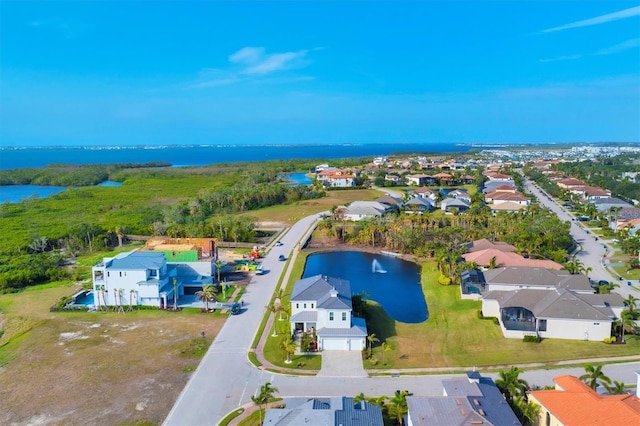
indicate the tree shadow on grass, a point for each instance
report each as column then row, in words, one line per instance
column 379, row 322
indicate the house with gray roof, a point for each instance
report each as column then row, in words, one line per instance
column 336, row 411
column 322, row 305
column 474, row 400
column 419, row 205
column 359, row 210
column 560, row 313
column 604, row 205
column 454, row 204
column 527, row 278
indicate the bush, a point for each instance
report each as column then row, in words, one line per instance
column 482, row 317
column 444, row 280
column 610, row 340
column 532, row 339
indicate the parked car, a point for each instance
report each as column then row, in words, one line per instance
column 279, row 243
column 282, row 257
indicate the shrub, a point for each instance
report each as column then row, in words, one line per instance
column 444, row 280
column 611, row 339
column 482, row 317
column 532, row 338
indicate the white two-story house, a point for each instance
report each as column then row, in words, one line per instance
column 323, row 304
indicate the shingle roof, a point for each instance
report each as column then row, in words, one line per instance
column 549, row 304
column 319, row 288
column 483, row 244
column 575, row 403
column 542, row 277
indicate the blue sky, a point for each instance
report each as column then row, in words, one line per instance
column 206, row 72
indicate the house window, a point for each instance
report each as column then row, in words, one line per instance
column 153, row 273
column 312, row 306
column 330, row 316
column 548, row 419
column 344, row 316
column 107, row 274
column 297, row 305
column 120, row 273
column 304, row 306
column 596, row 323
column 542, row 325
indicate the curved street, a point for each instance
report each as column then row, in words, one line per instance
column 225, row 380
column 592, row 253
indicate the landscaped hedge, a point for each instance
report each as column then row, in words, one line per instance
column 482, row 317
column 532, row 339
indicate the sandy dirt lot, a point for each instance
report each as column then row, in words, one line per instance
column 102, row 368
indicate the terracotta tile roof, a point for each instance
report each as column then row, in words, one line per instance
column 443, row 176
column 505, row 259
column 506, row 196
column 575, row 403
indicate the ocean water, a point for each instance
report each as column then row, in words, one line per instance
column 180, row 156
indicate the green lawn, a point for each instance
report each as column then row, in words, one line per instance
column 453, row 336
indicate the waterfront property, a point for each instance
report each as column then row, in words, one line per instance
column 392, row 282
column 558, row 313
column 322, row 305
column 144, row 278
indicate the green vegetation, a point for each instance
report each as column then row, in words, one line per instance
column 40, row 233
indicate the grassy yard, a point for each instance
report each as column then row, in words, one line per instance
column 453, row 336
column 289, row 214
column 94, row 368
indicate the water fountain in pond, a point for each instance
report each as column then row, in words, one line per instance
column 376, row 267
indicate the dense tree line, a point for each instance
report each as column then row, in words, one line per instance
column 535, row 232
column 68, row 175
column 606, row 172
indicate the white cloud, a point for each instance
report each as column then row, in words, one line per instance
column 247, row 55
column 562, row 58
column 250, row 62
column 276, row 62
column 620, row 47
column 602, row 19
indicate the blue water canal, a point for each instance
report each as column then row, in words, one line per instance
column 393, row 283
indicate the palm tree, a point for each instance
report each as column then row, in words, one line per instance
column 272, row 308
column 397, row 406
column 511, row 385
column 493, row 264
column 385, row 348
column 175, row 293
column 209, row 293
column 617, row 388
column 630, row 302
column 289, row 347
column 120, row 293
column 371, row 339
column 574, row 266
column 219, row 265
column 131, row 292
column 263, row 397
column 594, row 376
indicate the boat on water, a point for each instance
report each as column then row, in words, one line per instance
column 390, row 253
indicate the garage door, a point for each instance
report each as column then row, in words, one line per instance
column 355, row 345
column 334, row 344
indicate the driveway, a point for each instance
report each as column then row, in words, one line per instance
column 342, row 364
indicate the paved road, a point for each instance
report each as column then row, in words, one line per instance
column 225, row 380
column 592, row 252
